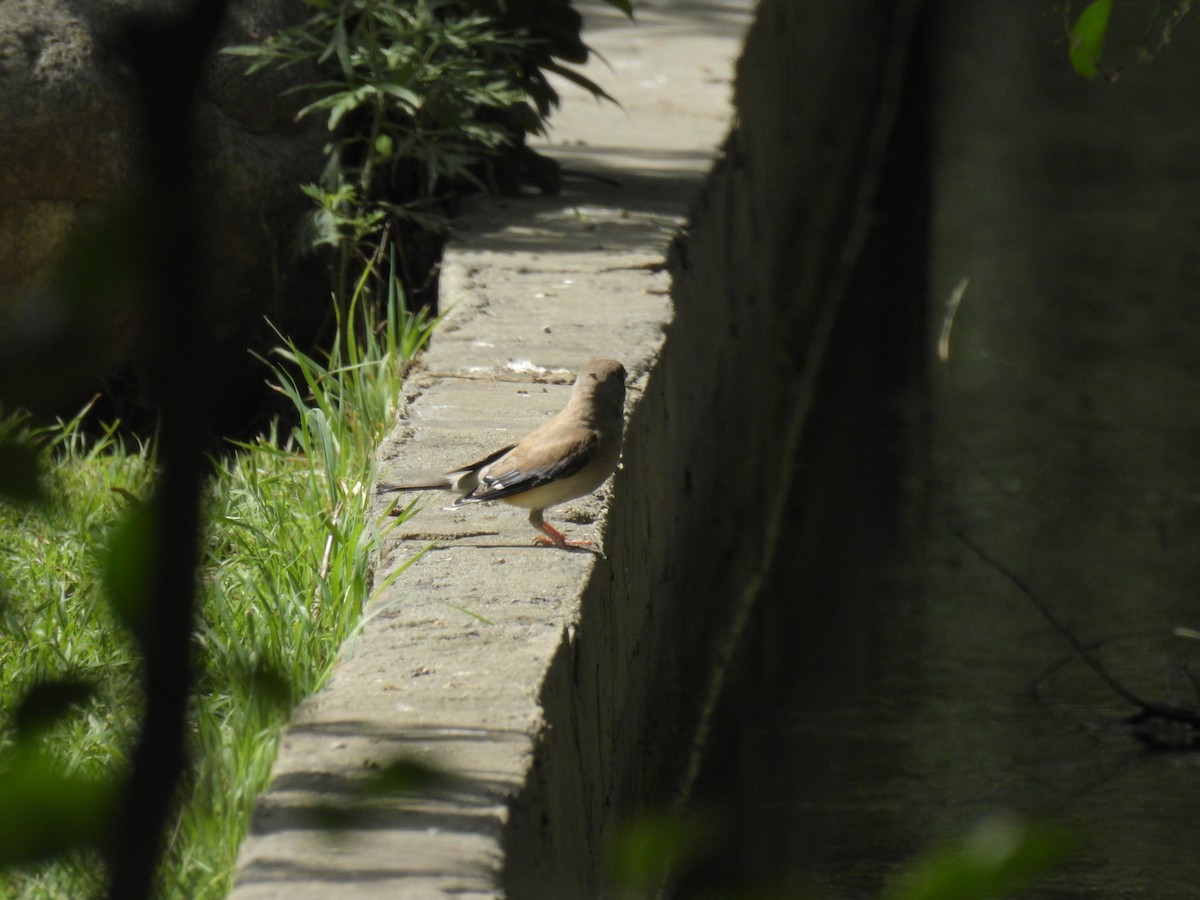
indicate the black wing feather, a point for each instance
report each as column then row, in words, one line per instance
column 517, row 481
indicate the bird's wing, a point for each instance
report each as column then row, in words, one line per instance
column 535, row 462
column 466, row 478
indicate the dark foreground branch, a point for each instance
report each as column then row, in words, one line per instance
column 167, row 55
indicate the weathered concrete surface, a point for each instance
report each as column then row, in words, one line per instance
column 569, row 690
column 448, row 670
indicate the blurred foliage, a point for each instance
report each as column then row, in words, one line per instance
column 1088, row 36
column 1090, row 32
column 999, row 857
column 647, row 846
column 46, row 811
column 57, row 344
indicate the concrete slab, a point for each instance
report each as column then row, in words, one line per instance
column 448, row 668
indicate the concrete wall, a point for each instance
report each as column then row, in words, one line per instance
column 757, row 279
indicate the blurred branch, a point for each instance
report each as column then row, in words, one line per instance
column 167, row 55
column 1149, row 713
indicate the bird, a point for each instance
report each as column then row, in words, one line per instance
column 569, row 456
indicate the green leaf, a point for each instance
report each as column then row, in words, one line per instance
column 55, row 347
column 407, row 777
column 586, row 83
column 1087, row 37
column 245, row 50
column 103, row 262
column 47, row 702
column 342, row 41
column 19, row 472
column 410, row 99
column 127, row 567
column 999, row 857
column 645, row 845
column 347, row 102
column 270, row 688
column 403, row 778
column 45, row 811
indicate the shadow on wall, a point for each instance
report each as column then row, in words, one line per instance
column 757, row 283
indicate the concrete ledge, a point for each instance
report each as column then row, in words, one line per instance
column 569, row 690
column 449, row 669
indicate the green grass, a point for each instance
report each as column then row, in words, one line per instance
column 285, row 575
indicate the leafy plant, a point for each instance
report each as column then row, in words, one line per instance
column 424, row 100
column 1088, row 35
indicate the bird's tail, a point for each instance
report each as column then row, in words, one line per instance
column 433, row 484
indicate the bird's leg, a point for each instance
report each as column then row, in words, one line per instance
column 554, row 537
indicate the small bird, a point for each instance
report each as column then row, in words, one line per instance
column 569, row 456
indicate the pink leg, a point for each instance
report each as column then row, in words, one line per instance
column 554, row 537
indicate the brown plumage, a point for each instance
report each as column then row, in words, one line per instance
column 569, row 456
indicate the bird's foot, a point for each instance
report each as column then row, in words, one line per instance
column 563, row 544
column 555, row 538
